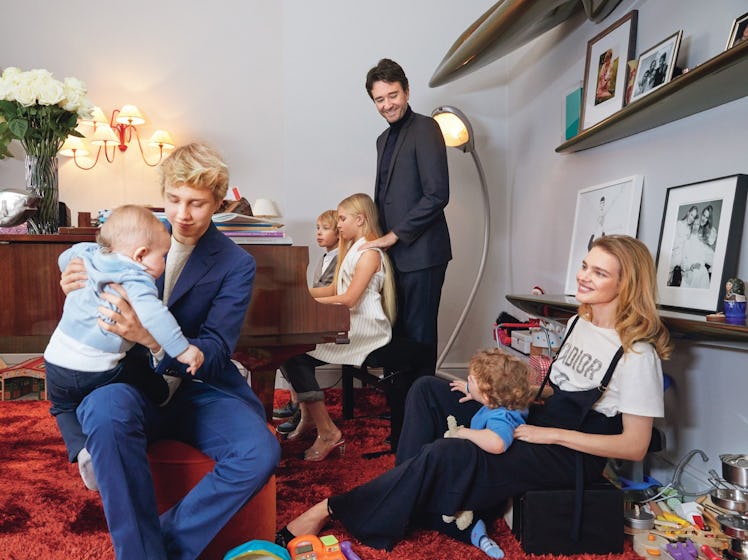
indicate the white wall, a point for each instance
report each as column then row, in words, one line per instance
column 278, row 87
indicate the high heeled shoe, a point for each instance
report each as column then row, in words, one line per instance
column 316, row 455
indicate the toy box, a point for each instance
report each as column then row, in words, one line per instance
column 521, row 341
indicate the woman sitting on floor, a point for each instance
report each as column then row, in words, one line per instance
column 607, row 389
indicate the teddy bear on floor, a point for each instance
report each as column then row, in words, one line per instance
column 463, row 518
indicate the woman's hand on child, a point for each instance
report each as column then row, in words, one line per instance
column 535, row 434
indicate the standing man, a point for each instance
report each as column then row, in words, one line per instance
column 411, row 191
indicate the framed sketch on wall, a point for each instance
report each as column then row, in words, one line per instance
column 602, row 210
column 605, row 70
column 699, row 240
column 656, row 66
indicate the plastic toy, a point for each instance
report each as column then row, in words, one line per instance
column 311, row 547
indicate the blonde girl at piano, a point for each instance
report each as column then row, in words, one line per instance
column 323, row 275
column 365, row 284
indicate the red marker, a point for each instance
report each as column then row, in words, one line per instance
column 709, row 552
column 235, row 190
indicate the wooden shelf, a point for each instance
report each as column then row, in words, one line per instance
column 717, row 81
column 681, row 325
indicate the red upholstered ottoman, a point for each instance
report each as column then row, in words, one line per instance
column 176, row 467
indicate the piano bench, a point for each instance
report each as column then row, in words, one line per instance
column 177, row 467
column 398, row 359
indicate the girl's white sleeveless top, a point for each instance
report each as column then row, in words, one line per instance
column 370, row 329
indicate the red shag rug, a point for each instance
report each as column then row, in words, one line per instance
column 46, row 512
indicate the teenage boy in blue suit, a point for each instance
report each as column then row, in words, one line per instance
column 207, row 287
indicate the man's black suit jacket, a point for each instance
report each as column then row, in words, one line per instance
column 413, row 196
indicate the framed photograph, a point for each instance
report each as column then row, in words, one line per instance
column 699, row 241
column 602, row 210
column 656, row 66
column 739, row 31
column 605, row 70
column 630, row 80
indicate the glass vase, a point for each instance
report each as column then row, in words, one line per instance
column 42, row 180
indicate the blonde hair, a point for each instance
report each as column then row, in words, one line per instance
column 329, row 218
column 637, row 318
column 128, row 227
column 198, row 166
column 502, row 378
column 361, row 204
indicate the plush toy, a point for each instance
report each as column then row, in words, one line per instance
column 464, row 518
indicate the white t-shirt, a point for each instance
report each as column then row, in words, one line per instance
column 636, row 386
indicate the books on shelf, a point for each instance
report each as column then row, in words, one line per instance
column 254, row 233
column 261, row 240
column 247, row 230
column 231, row 219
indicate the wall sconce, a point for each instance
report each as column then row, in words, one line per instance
column 458, row 133
column 116, row 133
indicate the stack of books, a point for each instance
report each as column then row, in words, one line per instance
column 250, row 229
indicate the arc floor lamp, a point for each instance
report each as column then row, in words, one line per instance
column 458, row 133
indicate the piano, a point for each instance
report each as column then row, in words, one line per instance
column 282, row 320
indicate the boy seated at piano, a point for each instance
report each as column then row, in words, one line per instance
column 364, row 282
column 324, row 274
column 131, row 248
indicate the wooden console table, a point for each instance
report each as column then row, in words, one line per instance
column 681, row 325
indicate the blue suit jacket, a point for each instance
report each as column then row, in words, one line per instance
column 411, row 203
column 209, row 301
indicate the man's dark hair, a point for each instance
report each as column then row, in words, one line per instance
column 388, row 71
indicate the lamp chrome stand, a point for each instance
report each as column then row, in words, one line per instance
column 458, row 133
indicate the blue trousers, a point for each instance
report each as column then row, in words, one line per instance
column 120, row 422
column 66, row 388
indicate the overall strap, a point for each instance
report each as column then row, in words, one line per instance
column 548, row 373
column 611, row 368
column 576, row 526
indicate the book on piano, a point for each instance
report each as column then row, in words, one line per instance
column 261, row 240
column 231, row 219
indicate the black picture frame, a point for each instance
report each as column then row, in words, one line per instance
column 694, row 257
column 656, row 66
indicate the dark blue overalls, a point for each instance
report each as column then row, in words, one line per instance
column 435, row 476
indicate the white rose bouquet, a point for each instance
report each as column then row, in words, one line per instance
column 39, row 110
